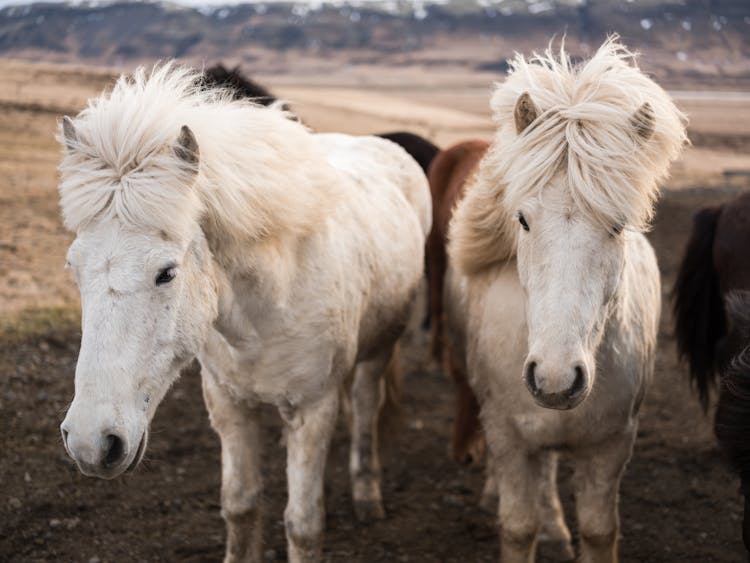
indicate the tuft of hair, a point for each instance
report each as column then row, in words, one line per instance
column 602, row 126
column 699, row 318
column 254, row 173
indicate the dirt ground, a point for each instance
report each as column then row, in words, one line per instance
column 678, row 500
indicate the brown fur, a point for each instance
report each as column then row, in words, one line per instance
column 390, row 411
column 712, row 267
column 450, row 171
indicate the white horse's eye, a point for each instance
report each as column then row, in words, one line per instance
column 616, row 230
column 522, row 220
column 166, row 275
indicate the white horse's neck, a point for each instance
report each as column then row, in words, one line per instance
column 264, row 183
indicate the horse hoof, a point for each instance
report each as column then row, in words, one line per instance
column 369, row 510
column 488, row 503
column 556, row 550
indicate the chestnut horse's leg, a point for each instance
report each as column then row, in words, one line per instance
column 309, row 434
column 596, row 482
column 238, row 427
column 436, row 256
column 367, row 396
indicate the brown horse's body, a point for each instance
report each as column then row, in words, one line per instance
column 449, row 173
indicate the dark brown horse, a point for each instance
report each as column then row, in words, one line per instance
column 244, row 87
column 715, row 264
column 712, row 326
column 449, row 173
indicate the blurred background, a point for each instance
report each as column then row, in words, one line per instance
column 358, row 67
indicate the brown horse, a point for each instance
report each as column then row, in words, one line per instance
column 449, row 173
column 712, row 326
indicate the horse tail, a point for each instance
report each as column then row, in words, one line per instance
column 732, row 423
column 699, row 317
column 390, row 410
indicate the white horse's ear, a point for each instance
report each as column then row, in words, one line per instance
column 525, row 112
column 69, row 133
column 186, row 148
column 643, row 121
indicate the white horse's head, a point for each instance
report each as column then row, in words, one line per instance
column 148, row 297
column 158, row 223
column 570, row 264
column 574, row 170
column 589, row 182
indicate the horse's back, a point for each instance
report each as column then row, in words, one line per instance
column 377, row 163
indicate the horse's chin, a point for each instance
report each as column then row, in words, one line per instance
column 560, row 402
column 138, row 454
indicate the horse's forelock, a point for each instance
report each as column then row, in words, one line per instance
column 122, row 162
column 586, row 127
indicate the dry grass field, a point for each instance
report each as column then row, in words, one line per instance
column 679, row 502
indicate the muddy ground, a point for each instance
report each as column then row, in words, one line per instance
column 678, row 502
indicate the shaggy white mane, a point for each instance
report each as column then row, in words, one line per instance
column 259, row 173
column 585, row 134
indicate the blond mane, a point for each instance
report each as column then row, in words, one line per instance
column 586, row 132
column 259, row 175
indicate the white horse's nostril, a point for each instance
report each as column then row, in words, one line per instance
column 579, row 384
column 531, row 378
column 115, row 451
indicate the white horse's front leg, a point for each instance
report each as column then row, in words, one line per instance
column 364, row 461
column 238, row 426
column 597, row 481
column 309, row 435
column 554, row 536
column 518, row 475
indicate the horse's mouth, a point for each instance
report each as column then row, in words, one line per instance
column 138, row 454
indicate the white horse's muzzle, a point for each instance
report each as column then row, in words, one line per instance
column 105, row 454
column 560, row 389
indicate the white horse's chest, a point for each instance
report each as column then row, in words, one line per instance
column 276, row 363
column 607, row 410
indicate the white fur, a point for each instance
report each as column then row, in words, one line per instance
column 297, row 259
column 569, row 296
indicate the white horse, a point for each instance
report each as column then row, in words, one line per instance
column 553, row 297
column 286, row 261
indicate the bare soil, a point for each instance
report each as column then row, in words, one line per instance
column 678, row 502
